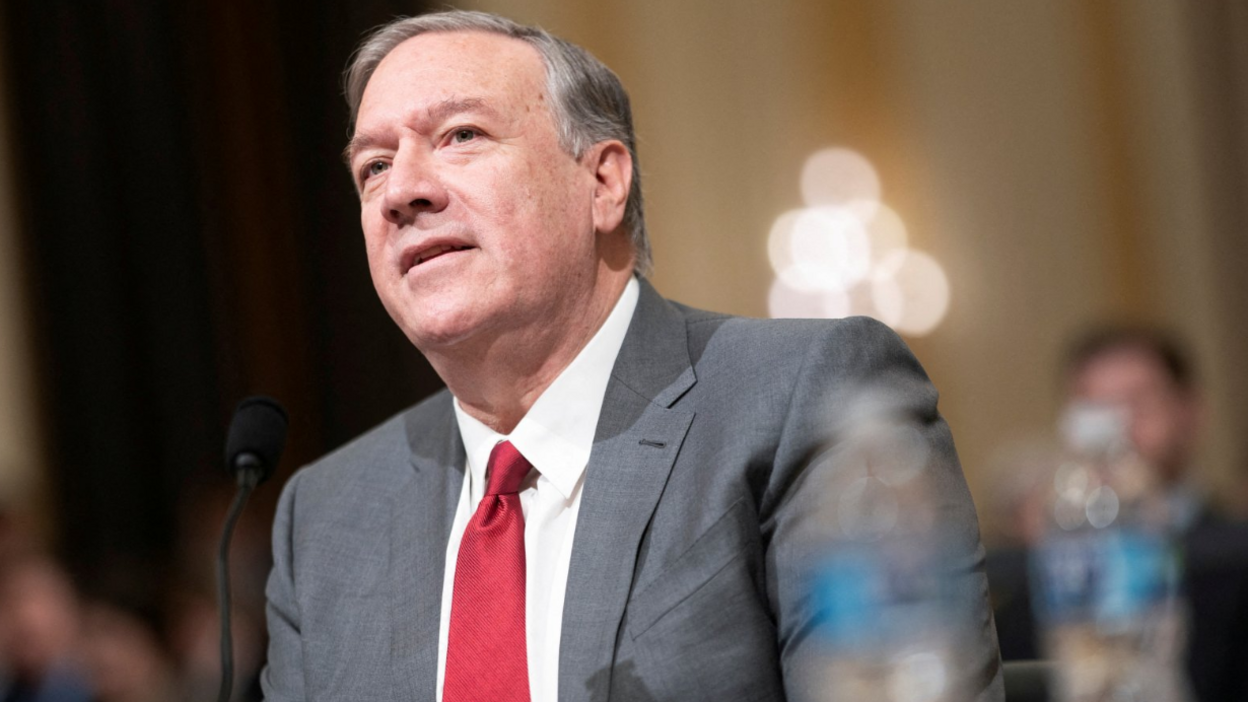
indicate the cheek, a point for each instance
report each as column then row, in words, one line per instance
column 568, row 214
column 487, row 197
column 374, row 241
column 558, row 184
column 527, row 212
column 1153, row 433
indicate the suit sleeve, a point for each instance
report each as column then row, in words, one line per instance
column 282, row 677
column 854, row 354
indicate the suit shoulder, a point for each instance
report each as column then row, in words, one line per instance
column 851, row 339
column 693, row 315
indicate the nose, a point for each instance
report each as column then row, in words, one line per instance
column 413, row 187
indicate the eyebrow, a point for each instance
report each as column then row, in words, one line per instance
column 453, row 106
column 436, row 113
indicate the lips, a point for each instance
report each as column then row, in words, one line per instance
column 437, row 251
column 417, row 255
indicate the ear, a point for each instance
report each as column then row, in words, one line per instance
column 613, row 176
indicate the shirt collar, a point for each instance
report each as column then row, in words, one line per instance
column 557, row 434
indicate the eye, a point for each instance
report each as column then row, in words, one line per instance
column 373, row 168
column 464, row 134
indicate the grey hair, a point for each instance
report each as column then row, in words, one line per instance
column 588, row 103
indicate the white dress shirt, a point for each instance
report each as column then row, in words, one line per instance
column 556, row 437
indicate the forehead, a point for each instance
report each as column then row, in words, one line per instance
column 1122, row 370
column 439, row 66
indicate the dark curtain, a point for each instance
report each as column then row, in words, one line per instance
column 191, row 237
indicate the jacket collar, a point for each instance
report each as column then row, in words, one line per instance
column 639, row 436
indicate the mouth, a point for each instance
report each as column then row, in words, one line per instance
column 419, row 256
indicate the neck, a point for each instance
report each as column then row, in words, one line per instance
column 497, row 380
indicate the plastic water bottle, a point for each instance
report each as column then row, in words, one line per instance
column 1105, row 577
column 878, row 571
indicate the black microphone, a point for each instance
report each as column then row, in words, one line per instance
column 257, row 436
column 252, row 447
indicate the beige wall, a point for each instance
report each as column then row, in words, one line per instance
column 1047, row 153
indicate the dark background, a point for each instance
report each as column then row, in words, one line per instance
column 191, row 237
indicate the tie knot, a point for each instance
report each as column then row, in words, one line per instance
column 506, row 469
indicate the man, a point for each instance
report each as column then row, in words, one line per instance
column 1147, row 373
column 652, row 550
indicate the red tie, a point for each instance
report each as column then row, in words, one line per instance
column 486, row 649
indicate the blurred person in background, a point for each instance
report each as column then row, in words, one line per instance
column 124, row 654
column 40, row 633
column 1145, row 373
column 1148, row 375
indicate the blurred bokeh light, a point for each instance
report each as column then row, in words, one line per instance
column 846, row 252
column 838, row 176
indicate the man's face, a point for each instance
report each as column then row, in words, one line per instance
column 1163, row 416
column 475, row 221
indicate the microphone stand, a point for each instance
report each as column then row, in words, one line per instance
column 249, row 474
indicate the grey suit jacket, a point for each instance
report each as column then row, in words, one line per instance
column 686, row 575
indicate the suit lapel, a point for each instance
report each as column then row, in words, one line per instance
column 636, row 443
column 420, row 527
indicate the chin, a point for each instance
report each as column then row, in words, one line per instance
column 427, row 319
column 432, row 330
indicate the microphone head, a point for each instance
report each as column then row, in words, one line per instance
column 257, row 436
